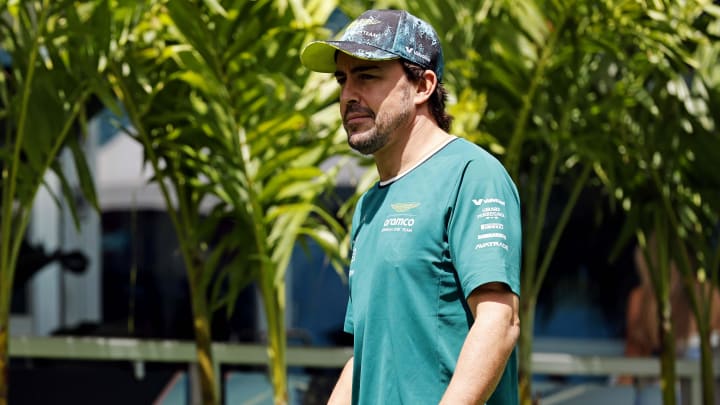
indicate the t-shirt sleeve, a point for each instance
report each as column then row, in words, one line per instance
column 349, row 326
column 485, row 232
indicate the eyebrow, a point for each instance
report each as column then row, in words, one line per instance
column 358, row 69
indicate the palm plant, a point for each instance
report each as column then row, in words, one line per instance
column 55, row 70
column 213, row 93
column 668, row 185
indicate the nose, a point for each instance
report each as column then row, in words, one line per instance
column 349, row 93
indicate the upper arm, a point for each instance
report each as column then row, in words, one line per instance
column 634, row 312
column 495, row 296
column 636, row 342
column 715, row 308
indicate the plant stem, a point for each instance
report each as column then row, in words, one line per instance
column 8, row 253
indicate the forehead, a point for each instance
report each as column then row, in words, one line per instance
column 345, row 63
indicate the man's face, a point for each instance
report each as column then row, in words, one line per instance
column 376, row 100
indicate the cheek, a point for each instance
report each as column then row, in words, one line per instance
column 398, row 101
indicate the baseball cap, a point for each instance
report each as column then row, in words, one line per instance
column 380, row 35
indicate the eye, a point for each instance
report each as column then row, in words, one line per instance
column 340, row 79
column 365, row 76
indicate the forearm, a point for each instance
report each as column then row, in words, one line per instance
column 484, row 354
column 342, row 393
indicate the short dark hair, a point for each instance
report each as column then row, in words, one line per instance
column 438, row 98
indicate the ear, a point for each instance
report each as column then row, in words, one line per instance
column 425, row 87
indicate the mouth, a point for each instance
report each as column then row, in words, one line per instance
column 354, row 120
column 354, row 116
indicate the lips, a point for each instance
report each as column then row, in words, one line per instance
column 356, row 114
column 354, row 118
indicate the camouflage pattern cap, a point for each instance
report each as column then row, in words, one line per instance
column 380, row 35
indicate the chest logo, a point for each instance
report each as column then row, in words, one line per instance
column 400, row 220
column 404, row 207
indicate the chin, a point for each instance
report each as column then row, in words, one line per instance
column 357, row 137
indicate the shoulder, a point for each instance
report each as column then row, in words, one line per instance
column 473, row 156
column 469, row 160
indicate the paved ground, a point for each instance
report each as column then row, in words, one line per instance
column 589, row 394
column 253, row 388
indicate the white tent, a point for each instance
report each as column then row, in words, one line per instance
column 122, row 178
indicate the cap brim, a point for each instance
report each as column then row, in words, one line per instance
column 320, row 55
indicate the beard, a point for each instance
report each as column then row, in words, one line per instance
column 369, row 140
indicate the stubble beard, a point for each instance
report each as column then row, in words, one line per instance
column 374, row 138
column 368, row 141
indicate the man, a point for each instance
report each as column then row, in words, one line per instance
column 434, row 273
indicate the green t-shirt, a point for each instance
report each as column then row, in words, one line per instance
column 420, row 246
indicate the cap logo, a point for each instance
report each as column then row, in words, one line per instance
column 359, row 25
column 420, row 55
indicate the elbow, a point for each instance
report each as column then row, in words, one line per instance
column 512, row 322
column 513, row 331
column 507, row 327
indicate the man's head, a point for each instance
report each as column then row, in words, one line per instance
column 387, row 35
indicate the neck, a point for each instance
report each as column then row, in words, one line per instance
column 409, row 148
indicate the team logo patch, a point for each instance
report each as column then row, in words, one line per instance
column 404, row 207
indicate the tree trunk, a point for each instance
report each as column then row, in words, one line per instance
column 668, row 376
column 706, row 368
column 4, row 360
column 274, row 299
column 527, row 320
column 209, row 386
column 6, row 277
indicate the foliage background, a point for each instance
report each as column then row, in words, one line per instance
column 619, row 99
